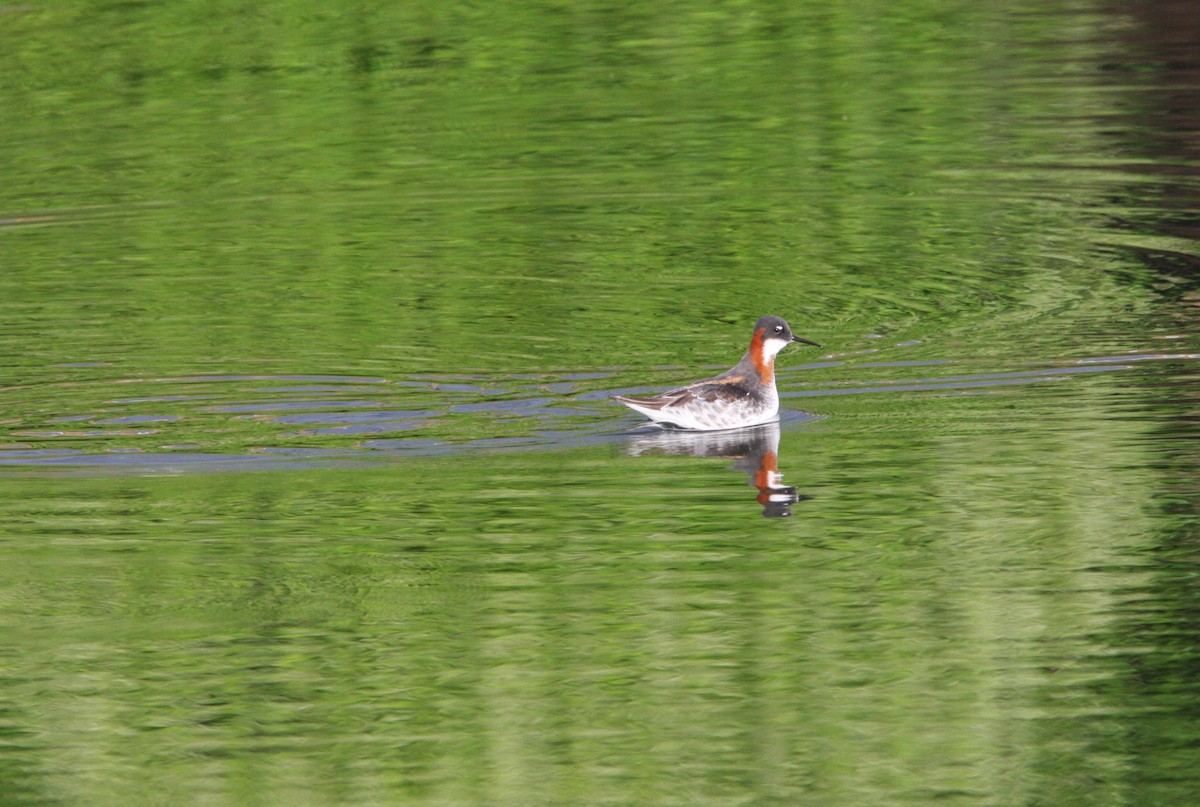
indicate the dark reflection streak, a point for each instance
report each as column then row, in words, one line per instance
column 754, row 450
column 1152, row 649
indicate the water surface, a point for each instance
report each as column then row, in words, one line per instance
column 310, row 485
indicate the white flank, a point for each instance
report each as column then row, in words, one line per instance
column 706, row 416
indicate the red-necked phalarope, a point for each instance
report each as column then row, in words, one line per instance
column 742, row 396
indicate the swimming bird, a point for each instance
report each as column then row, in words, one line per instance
column 745, row 395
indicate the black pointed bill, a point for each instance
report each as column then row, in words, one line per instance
column 805, row 341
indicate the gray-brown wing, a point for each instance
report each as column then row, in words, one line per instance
column 673, row 398
column 725, row 389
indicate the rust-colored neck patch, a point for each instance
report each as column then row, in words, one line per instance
column 763, row 477
column 764, row 365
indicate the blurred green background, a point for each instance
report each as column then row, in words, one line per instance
column 310, row 492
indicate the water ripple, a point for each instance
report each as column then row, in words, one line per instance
column 432, row 412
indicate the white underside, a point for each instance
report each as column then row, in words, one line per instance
column 704, row 416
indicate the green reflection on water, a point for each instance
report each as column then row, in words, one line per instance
column 585, row 627
column 433, row 187
column 381, row 192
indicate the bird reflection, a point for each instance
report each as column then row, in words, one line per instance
column 754, row 450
